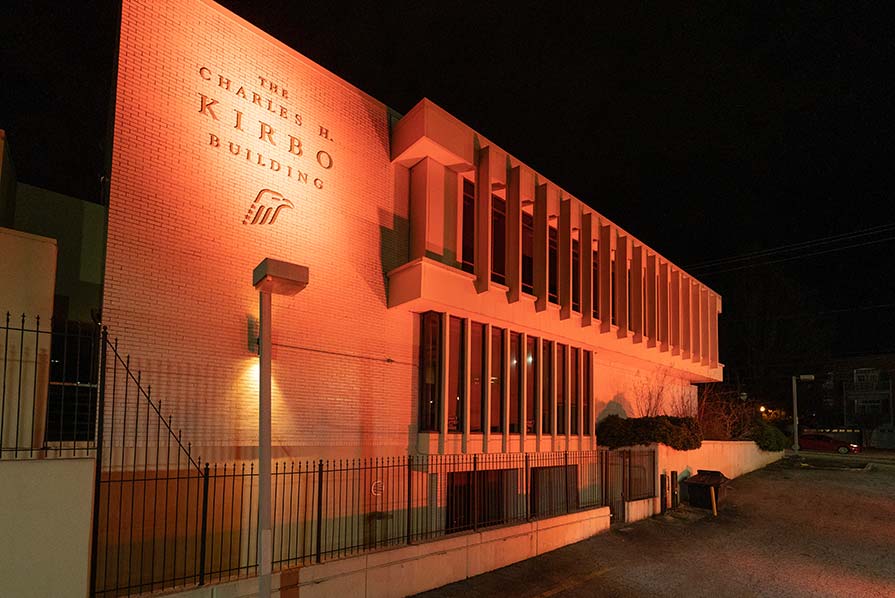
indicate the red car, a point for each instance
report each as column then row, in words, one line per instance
column 819, row 442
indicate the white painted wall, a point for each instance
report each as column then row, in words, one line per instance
column 28, row 275
column 46, row 508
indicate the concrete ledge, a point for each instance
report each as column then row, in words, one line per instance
column 420, row 567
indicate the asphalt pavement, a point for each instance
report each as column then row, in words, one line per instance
column 812, row 525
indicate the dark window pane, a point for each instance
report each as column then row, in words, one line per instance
column 477, row 368
column 468, row 226
column 573, row 391
column 498, row 239
column 531, row 369
column 547, row 402
column 496, row 380
column 528, row 251
column 515, row 382
column 576, row 276
column 587, row 390
column 553, row 265
column 596, row 284
column 455, row 376
column 430, row 371
column 612, row 302
column 561, row 388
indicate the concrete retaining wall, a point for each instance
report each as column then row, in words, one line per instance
column 411, row 569
column 732, row 458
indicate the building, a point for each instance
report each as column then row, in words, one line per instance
column 466, row 323
column 437, row 261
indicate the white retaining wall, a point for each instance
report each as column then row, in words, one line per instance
column 420, row 567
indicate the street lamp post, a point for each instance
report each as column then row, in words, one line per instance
column 270, row 277
column 795, row 408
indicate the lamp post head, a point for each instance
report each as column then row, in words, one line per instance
column 279, row 278
column 806, row 377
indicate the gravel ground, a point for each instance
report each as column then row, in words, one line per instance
column 822, row 526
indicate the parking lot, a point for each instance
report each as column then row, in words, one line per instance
column 820, row 526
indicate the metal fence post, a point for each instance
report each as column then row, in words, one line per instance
column 203, row 542
column 475, row 493
column 565, row 470
column 319, row 508
column 409, row 495
column 527, row 488
column 98, row 466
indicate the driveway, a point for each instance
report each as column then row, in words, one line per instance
column 822, row 526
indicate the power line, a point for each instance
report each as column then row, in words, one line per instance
column 712, row 272
column 709, row 264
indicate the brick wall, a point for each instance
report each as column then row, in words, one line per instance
column 178, row 289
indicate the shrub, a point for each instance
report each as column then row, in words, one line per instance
column 768, row 437
column 681, row 433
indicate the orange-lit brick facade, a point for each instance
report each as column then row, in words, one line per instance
column 229, row 147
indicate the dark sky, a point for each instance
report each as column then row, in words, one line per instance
column 707, row 131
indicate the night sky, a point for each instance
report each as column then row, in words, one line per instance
column 707, row 131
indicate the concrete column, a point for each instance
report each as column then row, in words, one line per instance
column 539, row 389
column 663, row 306
column 514, row 236
column 686, row 327
column 505, row 390
column 675, row 306
column 445, row 380
column 466, row 382
column 486, row 388
column 695, row 319
column 564, row 258
column 586, row 261
column 483, row 221
column 540, row 247
column 593, row 400
column 427, row 209
column 621, row 285
column 605, row 257
column 651, row 305
column 637, row 292
column 580, row 411
column 523, row 391
column 554, row 389
column 713, row 329
column 567, row 392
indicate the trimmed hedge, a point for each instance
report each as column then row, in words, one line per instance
column 681, row 433
column 768, row 437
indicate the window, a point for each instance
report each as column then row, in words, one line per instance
column 596, row 286
column 456, row 375
column 468, row 257
column 496, row 380
column 531, row 384
column 576, row 276
column 430, row 371
column 561, row 356
column 612, row 302
column 477, row 371
column 516, row 365
column 547, row 395
column 553, row 273
column 587, row 389
column 528, row 249
column 573, row 391
column 498, row 239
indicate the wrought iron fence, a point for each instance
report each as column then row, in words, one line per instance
column 164, row 519
column 48, row 387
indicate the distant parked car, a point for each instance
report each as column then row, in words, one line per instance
column 819, row 442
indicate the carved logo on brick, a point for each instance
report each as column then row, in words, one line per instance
column 266, row 207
